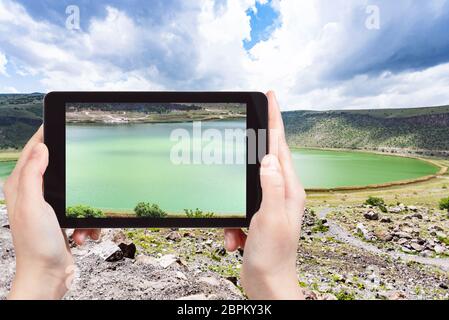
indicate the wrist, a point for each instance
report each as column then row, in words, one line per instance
column 39, row 285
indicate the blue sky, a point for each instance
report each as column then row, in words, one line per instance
column 316, row 54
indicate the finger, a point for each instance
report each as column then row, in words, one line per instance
column 234, row 239
column 80, row 236
column 94, row 234
column 31, row 175
column 273, row 188
column 38, row 137
column 275, row 124
column 294, row 191
column 12, row 183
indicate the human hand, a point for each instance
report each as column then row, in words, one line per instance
column 269, row 259
column 43, row 259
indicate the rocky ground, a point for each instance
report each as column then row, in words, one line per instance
column 337, row 259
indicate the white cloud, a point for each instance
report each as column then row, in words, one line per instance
column 311, row 58
column 9, row 89
column 3, row 62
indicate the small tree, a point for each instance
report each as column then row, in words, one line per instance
column 81, row 211
column 197, row 213
column 376, row 202
column 444, row 204
column 145, row 209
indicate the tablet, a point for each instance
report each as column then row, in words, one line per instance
column 154, row 159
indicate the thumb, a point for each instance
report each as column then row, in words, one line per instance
column 273, row 186
column 30, row 180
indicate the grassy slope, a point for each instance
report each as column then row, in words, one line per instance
column 418, row 128
column 421, row 128
column 20, row 116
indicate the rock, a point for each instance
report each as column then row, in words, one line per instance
column 444, row 286
column 404, row 235
column 108, row 251
column 384, row 236
column 327, row 296
column 167, row 260
column 180, row 275
column 440, row 235
column 397, row 209
column 406, row 250
column 210, row 281
column 188, row 234
column 427, row 253
column 385, row 220
column 173, row 236
column 361, row 229
column 129, row 250
column 397, row 295
column 412, row 208
column 435, row 228
column 309, row 294
column 439, row 249
column 119, row 237
column 417, row 215
column 147, row 260
column 402, row 241
column 371, row 215
column 221, row 252
column 417, row 247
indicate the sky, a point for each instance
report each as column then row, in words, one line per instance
column 316, row 54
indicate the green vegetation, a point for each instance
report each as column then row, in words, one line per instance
column 81, row 211
column 343, row 295
column 376, row 202
column 374, row 129
column 145, row 209
column 320, row 226
column 197, row 213
column 444, row 204
column 20, row 117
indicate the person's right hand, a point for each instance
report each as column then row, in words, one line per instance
column 270, row 248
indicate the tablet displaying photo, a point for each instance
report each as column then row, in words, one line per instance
column 155, row 160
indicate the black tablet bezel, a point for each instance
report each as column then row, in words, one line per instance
column 54, row 138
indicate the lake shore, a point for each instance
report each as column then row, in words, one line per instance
column 111, row 118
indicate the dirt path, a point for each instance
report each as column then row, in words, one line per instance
column 340, row 234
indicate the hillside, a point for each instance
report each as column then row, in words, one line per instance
column 381, row 129
column 390, row 130
column 20, row 116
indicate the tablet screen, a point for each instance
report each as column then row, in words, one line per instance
column 155, row 160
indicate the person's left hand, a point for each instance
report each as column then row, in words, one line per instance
column 44, row 263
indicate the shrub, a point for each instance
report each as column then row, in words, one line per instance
column 198, row 213
column 145, row 209
column 444, row 204
column 81, row 211
column 376, row 202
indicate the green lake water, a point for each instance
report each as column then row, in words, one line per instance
column 115, row 167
